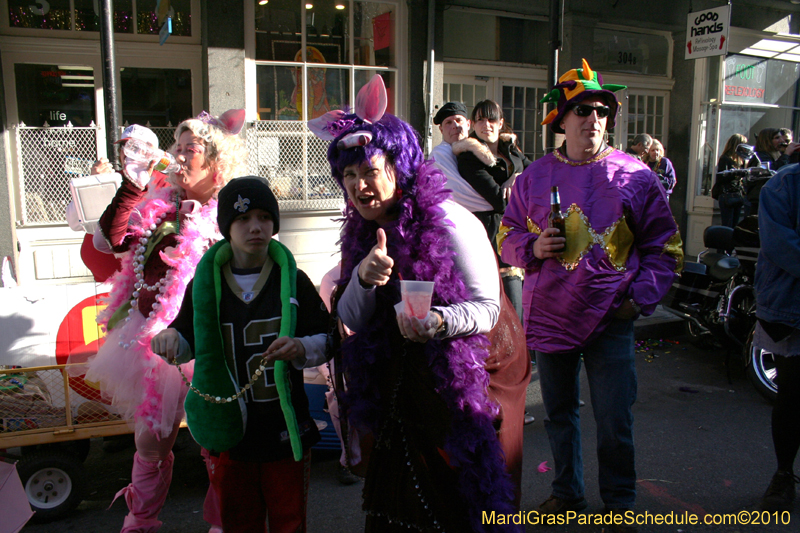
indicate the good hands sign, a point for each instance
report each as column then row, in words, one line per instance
column 707, row 32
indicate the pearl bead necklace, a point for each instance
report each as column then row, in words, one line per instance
column 219, row 399
column 138, row 269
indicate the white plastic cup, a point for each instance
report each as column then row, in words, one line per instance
column 416, row 296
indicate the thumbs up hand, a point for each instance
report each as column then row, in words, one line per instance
column 376, row 268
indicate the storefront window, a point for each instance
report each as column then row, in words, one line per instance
column 280, row 91
column 295, row 84
column 87, row 16
column 279, row 25
column 524, row 115
column 470, row 34
column 374, row 33
column 156, row 96
column 756, row 93
column 57, row 15
column 49, row 15
column 56, row 94
column 147, row 17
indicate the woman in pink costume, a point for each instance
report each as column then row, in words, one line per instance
column 163, row 232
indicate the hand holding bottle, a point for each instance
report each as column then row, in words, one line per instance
column 549, row 244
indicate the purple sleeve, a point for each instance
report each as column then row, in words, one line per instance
column 669, row 172
column 517, row 247
column 659, row 245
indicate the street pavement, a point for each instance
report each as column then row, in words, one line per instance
column 703, row 446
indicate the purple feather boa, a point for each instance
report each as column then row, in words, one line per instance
column 420, row 247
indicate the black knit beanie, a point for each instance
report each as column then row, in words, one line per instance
column 241, row 195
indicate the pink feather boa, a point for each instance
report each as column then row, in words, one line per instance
column 140, row 384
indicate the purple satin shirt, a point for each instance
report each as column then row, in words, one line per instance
column 566, row 307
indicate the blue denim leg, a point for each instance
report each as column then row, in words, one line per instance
column 559, row 380
column 611, row 371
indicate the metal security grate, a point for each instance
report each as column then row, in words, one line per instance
column 47, row 159
column 286, row 153
column 294, row 162
column 166, row 136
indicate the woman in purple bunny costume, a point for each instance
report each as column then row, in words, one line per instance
column 444, row 395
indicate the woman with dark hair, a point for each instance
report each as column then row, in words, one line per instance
column 728, row 189
column 443, row 395
column 773, row 147
column 490, row 160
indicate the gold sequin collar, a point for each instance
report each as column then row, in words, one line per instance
column 602, row 154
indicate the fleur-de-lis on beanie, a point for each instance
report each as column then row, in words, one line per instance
column 241, row 204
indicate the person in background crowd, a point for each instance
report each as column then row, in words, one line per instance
column 490, row 161
column 581, row 300
column 454, row 125
column 640, row 145
column 443, row 404
column 788, row 138
column 661, row 165
column 163, row 232
column 777, row 286
column 774, row 147
column 453, row 122
column 728, row 189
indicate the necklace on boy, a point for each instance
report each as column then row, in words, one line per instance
column 219, row 399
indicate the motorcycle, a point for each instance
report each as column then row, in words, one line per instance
column 716, row 297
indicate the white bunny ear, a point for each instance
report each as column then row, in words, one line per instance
column 319, row 125
column 351, row 140
column 371, row 100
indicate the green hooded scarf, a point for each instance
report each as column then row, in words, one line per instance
column 220, row 426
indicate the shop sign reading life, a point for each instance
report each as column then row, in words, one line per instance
column 707, row 32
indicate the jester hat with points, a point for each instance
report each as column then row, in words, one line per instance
column 575, row 86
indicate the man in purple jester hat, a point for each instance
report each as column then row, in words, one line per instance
column 621, row 255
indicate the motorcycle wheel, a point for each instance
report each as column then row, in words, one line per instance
column 761, row 369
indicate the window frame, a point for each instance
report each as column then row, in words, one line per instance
column 194, row 38
column 400, row 89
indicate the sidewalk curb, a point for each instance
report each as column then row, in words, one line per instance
column 658, row 325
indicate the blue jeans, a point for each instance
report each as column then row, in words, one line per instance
column 611, row 369
column 730, row 208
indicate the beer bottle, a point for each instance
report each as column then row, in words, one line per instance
column 556, row 218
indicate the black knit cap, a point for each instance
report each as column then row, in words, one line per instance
column 241, row 195
column 448, row 110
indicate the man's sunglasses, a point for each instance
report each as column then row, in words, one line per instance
column 584, row 110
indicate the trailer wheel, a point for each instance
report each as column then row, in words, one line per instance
column 53, row 482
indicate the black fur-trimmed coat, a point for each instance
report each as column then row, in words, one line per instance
column 490, row 176
column 487, row 174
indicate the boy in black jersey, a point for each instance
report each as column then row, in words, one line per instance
column 252, row 321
